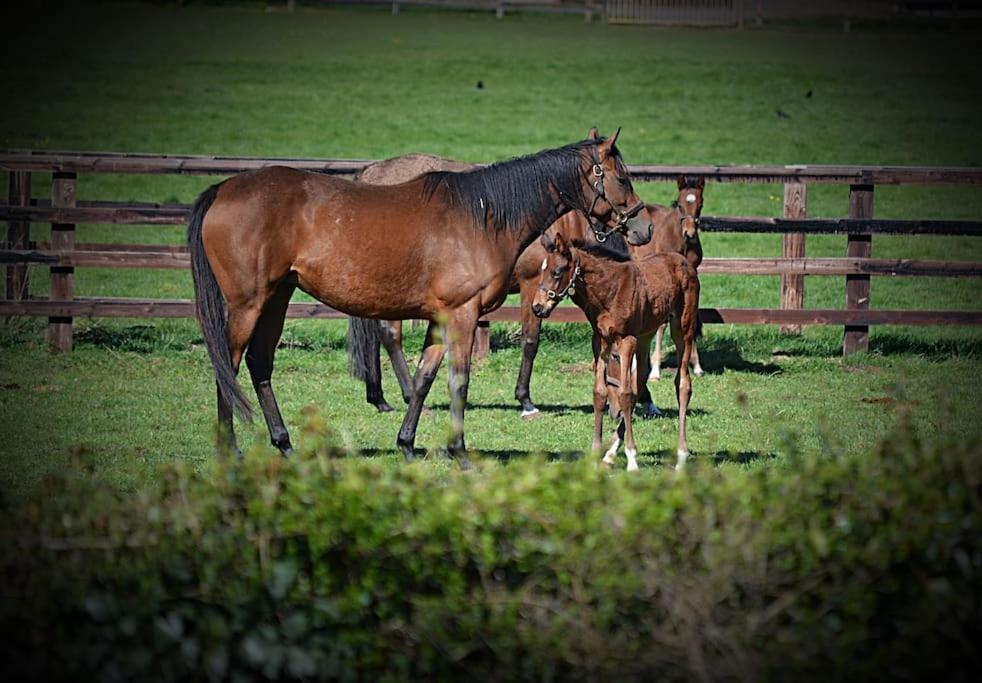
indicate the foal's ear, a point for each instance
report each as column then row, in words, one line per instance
column 547, row 242
column 681, row 182
column 594, row 134
column 701, row 183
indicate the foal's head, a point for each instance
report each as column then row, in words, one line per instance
column 689, row 204
column 611, row 195
column 559, row 274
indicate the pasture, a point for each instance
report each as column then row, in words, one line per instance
column 360, row 84
column 816, row 482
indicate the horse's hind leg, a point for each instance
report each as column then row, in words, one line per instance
column 531, row 327
column 429, row 363
column 648, row 407
column 259, row 359
column 390, row 334
column 655, row 359
column 240, row 326
column 627, row 397
column 683, row 385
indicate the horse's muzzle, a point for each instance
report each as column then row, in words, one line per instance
column 541, row 311
column 639, row 231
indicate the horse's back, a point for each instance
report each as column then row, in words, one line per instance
column 403, row 168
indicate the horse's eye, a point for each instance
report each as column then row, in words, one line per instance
column 557, row 273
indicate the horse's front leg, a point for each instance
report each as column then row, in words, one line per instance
column 429, row 363
column 599, row 397
column 390, row 334
column 655, row 359
column 627, row 397
column 459, row 340
column 684, row 340
column 531, row 326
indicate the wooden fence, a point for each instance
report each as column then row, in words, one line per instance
column 675, row 12
column 63, row 212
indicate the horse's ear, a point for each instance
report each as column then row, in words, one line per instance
column 607, row 146
column 681, row 181
column 594, row 134
column 560, row 242
column 701, row 182
column 547, row 242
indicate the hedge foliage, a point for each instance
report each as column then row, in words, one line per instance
column 338, row 568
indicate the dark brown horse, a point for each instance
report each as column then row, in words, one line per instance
column 441, row 247
column 625, row 299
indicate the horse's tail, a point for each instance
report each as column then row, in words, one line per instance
column 209, row 304
column 363, row 350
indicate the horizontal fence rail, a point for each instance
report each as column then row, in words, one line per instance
column 118, row 307
column 61, row 255
column 99, row 162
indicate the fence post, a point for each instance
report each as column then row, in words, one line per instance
column 18, row 233
column 856, row 337
column 62, row 277
column 482, row 340
column 793, row 246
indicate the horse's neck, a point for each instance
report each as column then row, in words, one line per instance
column 532, row 229
column 668, row 234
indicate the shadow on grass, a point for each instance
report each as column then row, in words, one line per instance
column 561, row 409
column 667, row 457
column 722, row 354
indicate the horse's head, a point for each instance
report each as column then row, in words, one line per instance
column 689, row 204
column 610, row 194
column 558, row 275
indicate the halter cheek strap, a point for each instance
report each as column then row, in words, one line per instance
column 569, row 290
column 599, row 231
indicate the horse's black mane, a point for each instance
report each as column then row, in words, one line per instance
column 614, row 248
column 510, row 194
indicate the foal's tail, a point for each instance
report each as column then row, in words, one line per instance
column 209, row 304
column 363, row 350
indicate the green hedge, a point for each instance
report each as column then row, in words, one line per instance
column 330, row 567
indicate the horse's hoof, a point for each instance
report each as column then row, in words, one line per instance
column 698, row 372
column 649, row 410
column 286, row 452
column 383, row 407
column 531, row 414
column 632, row 467
column 408, row 453
column 606, row 465
column 465, row 464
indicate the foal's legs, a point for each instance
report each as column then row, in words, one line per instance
column 390, row 334
column 655, row 360
column 531, row 326
column 696, row 365
column 600, row 399
column 649, row 409
column 684, row 339
column 259, row 360
column 627, row 397
column 429, row 363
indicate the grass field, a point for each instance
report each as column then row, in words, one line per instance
column 347, row 83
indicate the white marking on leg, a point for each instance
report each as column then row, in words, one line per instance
column 634, row 363
column 632, row 459
column 526, row 413
column 611, row 453
column 680, row 463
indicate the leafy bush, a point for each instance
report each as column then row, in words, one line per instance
column 326, row 567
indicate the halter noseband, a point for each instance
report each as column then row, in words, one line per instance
column 569, row 290
column 622, row 216
column 683, row 216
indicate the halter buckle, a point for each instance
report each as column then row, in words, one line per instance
column 598, row 170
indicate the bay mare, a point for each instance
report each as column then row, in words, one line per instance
column 441, row 247
column 625, row 299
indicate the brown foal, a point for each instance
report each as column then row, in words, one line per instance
column 624, row 299
column 441, row 247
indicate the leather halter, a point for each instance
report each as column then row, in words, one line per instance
column 599, row 231
column 570, row 288
column 682, row 218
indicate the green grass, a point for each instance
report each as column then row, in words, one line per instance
column 349, row 83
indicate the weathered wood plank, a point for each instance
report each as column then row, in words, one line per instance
column 18, row 234
column 793, row 246
column 62, row 277
column 856, row 337
column 838, row 226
